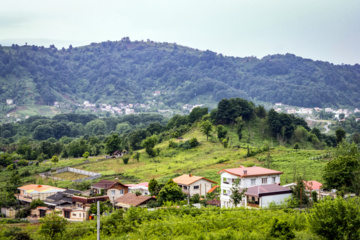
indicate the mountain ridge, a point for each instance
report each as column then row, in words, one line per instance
column 130, row 71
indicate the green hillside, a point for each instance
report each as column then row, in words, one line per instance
column 130, row 72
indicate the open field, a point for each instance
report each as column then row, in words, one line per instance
column 70, row 176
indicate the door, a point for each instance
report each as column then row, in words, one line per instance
column 66, row 214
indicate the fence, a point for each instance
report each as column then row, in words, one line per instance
column 92, row 175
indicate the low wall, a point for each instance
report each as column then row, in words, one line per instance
column 92, row 175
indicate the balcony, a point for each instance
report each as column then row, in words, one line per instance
column 254, row 205
column 24, row 198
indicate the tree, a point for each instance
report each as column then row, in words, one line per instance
column 197, row 113
column 341, row 172
column 54, row 159
column 43, row 132
column 299, row 192
column 52, row 226
column 93, row 208
column 170, row 192
column 239, row 127
column 206, row 128
column 86, row 155
column 36, row 203
column 221, row 132
column 112, row 144
column 281, row 230
column 137, row 156
column 340, row 135
column 154, row 187
column 236, row 196
column 336, row 218
column 149, row 144
column 125, row 159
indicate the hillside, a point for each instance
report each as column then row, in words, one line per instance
column 205, row 160
column 130, row 72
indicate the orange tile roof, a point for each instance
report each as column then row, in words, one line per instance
column 132, row 199
column 188, row 179
column 39, row 188
column 213, row 189
column 250, row 171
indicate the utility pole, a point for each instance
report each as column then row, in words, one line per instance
column 300, row 197
column 98, row 220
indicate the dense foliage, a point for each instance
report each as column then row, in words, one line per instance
column 126, row 71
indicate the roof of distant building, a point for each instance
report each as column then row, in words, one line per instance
column 133, row 200
column 251, row 171
column 89, row 199
column 313, row 185
column 139, row 185
column 213, row 189
column 266, row 190
column 36, row 188
column 105, row 184
column 188, row 179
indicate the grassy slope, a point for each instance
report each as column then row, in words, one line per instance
column 202, row 160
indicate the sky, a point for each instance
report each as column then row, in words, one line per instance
column 325, row 30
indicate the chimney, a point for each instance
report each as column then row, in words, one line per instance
column 245, row 172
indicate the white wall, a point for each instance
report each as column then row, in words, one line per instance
column 204, row 186
column 244, row 183
column 266, row 200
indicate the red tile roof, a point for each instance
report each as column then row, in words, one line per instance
column 133, row 200
column 250, row 171
column 313, row 185
column 106, row 184
column 265, row 190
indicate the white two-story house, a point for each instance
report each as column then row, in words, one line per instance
column 248, row 177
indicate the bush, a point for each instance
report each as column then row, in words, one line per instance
column 14, row 233
column 281, row 230
column 173, row 144
column 194, row 142
column 23, row 213
column 36, row 203
column 125, row 159
column 22, row 163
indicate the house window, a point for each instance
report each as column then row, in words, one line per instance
column 185, row 187
column 113, row 192
column 264, row 180
column 273, row 179
column 121, row 191
column 225, row 180
column 196, row 187
column 253, row 181
column 79, row 205
column 74, row 214
column 224, row 192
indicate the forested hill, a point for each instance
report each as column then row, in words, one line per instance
column 126, row 71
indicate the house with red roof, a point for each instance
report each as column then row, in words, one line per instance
column 248, row 177
column 263, row 195
column 113, row 189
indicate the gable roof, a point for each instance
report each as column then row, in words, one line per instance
column 313, row 185
column 61, row 197
column 188, row 179
column 36, row 188
column 250, row 171
column 106, row 184
column 266, row 190
column 133, row 200
column 213, row 189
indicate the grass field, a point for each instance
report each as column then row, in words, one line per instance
column 209, row 158
column 70, row 176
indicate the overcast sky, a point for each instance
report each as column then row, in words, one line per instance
column 327, row 30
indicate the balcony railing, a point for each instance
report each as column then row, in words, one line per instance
column 253, row 205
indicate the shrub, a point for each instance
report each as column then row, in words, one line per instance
column 22, row 163
column 173, row 144
column 194, row 142
column 126, row 159
column 14, row 233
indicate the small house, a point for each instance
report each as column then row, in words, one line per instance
column 192, row 185
column 133, row 200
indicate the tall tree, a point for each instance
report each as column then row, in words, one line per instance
column 206, row 128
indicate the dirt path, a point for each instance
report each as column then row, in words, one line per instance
column 328, row 122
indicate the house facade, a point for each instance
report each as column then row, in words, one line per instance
column 192, row 185
column 31, row 192
column 112, row 189
column 248, row 177
column 263, row 195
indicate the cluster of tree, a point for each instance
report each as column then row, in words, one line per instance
column 121, row 71
column 328, row 219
